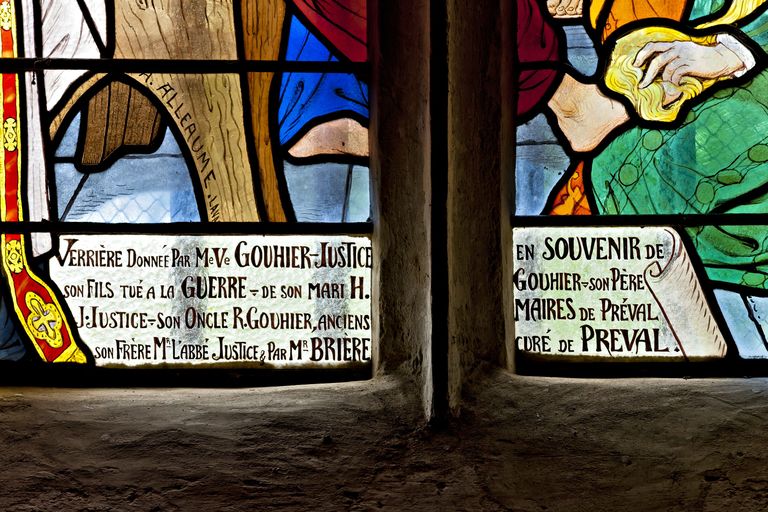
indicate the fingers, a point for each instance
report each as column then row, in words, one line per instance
column 667, row 60
column 574, row 7
column 656, row 65
column 676, row 74
column 648, row 50
column 671, row 62
column 671, row 93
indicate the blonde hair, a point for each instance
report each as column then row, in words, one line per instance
column 623, row 77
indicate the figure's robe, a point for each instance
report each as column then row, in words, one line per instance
column 539, row 53
column 343, row 23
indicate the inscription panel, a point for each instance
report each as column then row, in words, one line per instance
column 610, row 293
column 266, row 301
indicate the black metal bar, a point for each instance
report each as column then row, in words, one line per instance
column 682, row 220
column 193, row 66
column 190, row 228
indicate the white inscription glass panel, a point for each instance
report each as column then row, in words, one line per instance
column 244, row 301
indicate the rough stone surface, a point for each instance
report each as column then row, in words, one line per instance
column 296, row 448
column 522, row 444
column 632, row 444
column 401, row 191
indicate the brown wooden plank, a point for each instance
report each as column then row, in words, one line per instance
column 96, row 129
column 142, row 127
column 119, row 120
column 262, row 30
column 119, row 96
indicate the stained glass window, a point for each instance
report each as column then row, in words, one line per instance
column 185, row 183
column 639, row 213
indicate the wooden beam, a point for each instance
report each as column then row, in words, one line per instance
column 262, row 29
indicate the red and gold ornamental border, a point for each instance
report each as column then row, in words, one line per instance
column 39, row 311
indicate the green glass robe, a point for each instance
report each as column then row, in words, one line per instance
column 715, row 162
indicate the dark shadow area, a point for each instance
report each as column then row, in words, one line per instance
column 522, row 444
column 227, row 376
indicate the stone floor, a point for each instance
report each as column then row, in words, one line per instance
column 522, row 444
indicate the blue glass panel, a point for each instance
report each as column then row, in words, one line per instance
column 305, row 97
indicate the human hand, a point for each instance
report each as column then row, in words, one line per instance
column 658, row 69
column 672, row 61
